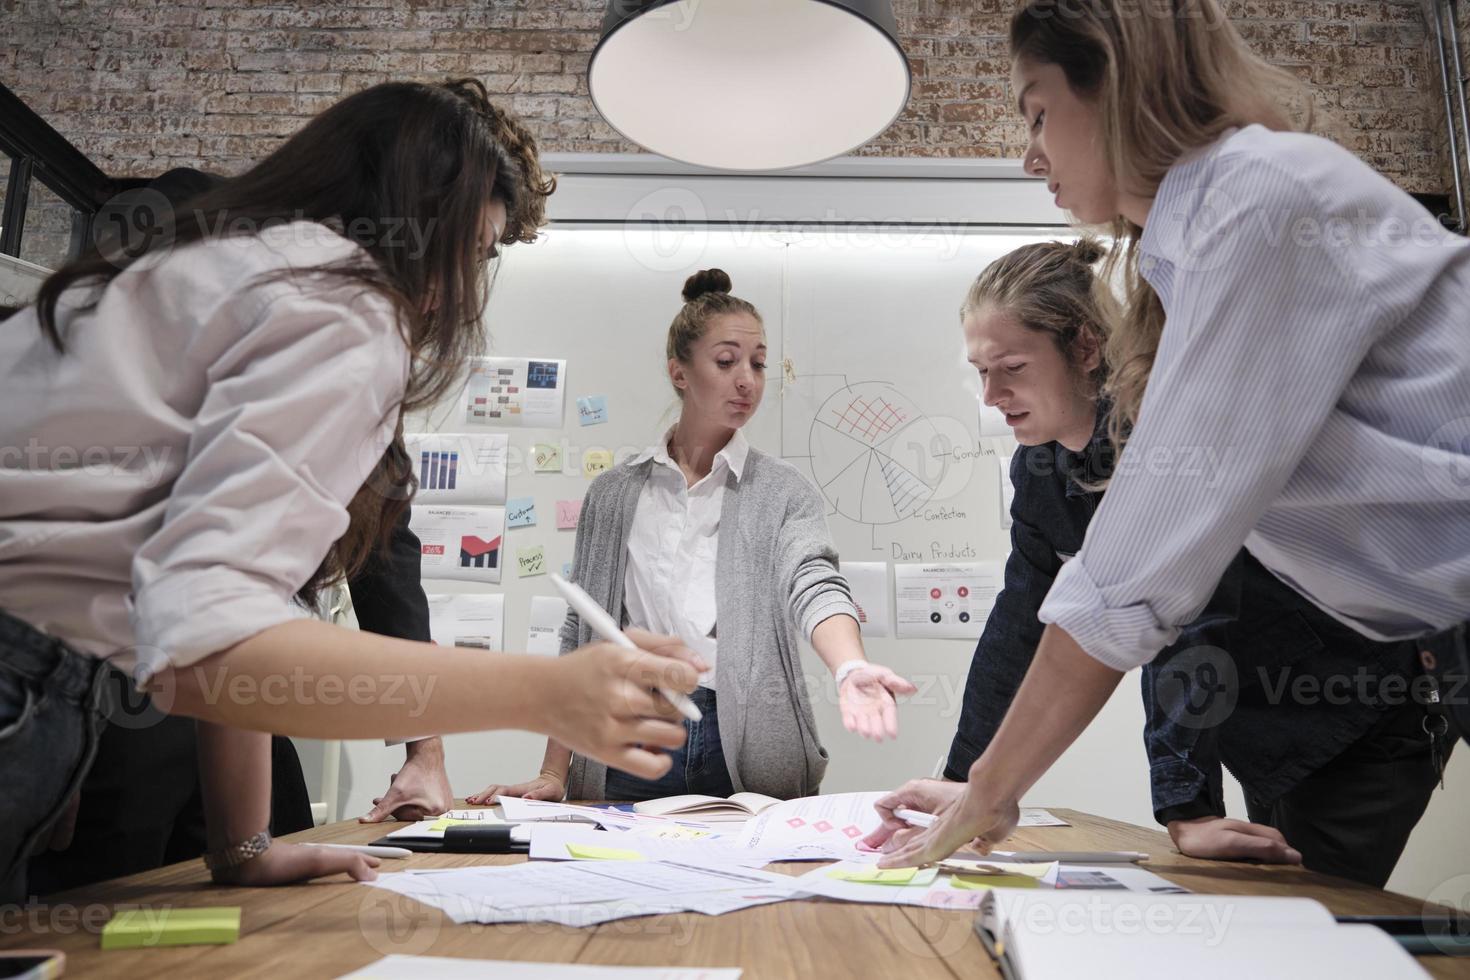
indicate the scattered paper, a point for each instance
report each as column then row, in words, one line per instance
column 543, row 634
column 459, row 468
column 463, row 543
column 473, row 621
column 568, row 513
column 518, row 810
column 850, row 881
column 868, row 581
column 814, row 828
column 1116, row 877
column 515, row 391
column 595, row 461
column 871, row 875
column 531, row 561
column 521, row 512
column 546, row 890
column 546, row 458
column 1036, row 817
column 568, row 841
column 400, row 967
column 950, row 601
column 592, row 409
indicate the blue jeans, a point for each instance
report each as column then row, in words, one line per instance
column 699, row 765
column 50, row 719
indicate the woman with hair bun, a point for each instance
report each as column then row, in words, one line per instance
column 1335, row 783
column 715, row 542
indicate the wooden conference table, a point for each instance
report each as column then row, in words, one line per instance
column 328, row 929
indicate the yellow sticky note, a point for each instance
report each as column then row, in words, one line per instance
column 591, row 852
column 146, row 928
column 983, row 882
column 443, row 824
column 531, row 561
column 595, row 461
column 877, row 876
column 546, row 458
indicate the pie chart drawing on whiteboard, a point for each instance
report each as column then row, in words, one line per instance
column 872, row 453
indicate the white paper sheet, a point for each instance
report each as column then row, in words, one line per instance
column 946, row 601
column 462, row 543
column 468, row 620
column 543, row 635
column 551, row 842
column 930, row 889
column 515, row 391
column 1036, row 817
column 540, row 889
column 1115, row 877
column 814, row 828
column 459, row 968
column 518, row 810
column 870, row 593
column 459, row 468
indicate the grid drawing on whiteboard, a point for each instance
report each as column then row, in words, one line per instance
column 871, row 451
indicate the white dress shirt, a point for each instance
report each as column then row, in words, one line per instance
column 1310, row 399
column 174, row 477
column 669, row 585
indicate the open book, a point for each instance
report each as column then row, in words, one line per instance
column 712, row 809
column 1077, row 933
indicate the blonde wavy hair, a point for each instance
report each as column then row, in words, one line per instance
column 1050, row 287
column 1168, row 76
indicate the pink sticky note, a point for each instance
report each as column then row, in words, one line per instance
column 568, row 512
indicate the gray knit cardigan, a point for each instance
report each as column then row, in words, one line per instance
column 776, row 569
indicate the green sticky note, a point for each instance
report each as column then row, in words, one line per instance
column 983, row 882
column 591, row 852
column 531, row 561
column 886, row 876
column 149, row 927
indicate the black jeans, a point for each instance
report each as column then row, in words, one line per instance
column 142, row 806
column 1353, row 816
column 50, row 720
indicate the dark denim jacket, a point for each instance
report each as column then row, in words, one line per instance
column 1263, row 681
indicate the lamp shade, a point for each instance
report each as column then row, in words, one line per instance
column 749, row 84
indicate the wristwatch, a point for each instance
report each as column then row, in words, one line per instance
column 237, row 854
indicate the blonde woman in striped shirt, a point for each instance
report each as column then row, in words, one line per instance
column 1288, row 309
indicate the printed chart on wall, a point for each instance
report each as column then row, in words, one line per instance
column 455, row 468
column 476, row 622
column 461, row 543
column 515, row 391
column 882, row 409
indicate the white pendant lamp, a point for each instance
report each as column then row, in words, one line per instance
column 749, row 84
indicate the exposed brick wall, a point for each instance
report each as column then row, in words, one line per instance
column 142, row 86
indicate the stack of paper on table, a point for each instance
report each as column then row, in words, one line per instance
column 711, row 809
column 564, row 842
column 854, row 881
column 434, row 827
column 454, row 968
column 582, row 893
column 1044, row 934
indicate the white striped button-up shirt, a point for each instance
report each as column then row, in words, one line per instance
column 1310, row 399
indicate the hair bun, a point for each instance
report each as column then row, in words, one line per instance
column 1089, row 249
column 706, row 281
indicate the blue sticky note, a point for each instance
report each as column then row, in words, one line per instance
column 592, row 409
column 520, row 512
column 566, row 571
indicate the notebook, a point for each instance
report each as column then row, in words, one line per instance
column 1037, row 935
column 711, row 809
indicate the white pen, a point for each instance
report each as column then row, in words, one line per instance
column 371, row 850
column 602, row 624
column 1071, row 857
column 917, row 818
